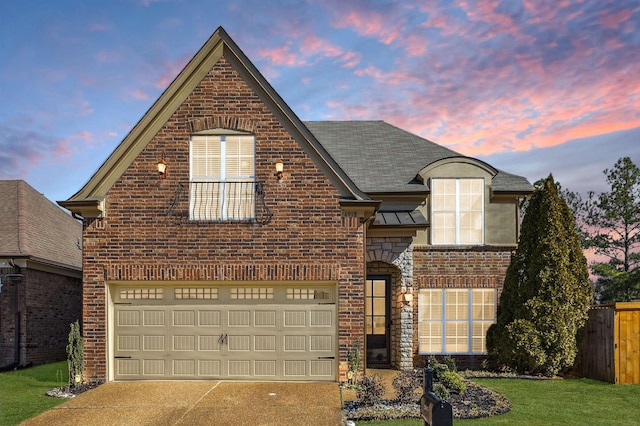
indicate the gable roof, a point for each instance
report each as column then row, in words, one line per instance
column 87, row 201
column 33, row 227
column 382, row 158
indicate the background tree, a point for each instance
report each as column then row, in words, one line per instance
column 546, row 291
column 612, row 227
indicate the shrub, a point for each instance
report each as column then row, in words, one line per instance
column 355, row 362
column 370, row 390
column 453, row 382
column 440, row 390
column 75, row 355
column 405, row 384
column 450, row 363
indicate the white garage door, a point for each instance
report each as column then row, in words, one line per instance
column 224, row 332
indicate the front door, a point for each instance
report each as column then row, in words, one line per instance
column 377, row 323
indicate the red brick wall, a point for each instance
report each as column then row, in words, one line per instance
column 49, row 303
column 306, row 239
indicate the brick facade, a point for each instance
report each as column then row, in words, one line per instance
column 307, row 239
column 47, row 304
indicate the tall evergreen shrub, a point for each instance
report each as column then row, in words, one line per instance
column 546, row 292
column 75, row 355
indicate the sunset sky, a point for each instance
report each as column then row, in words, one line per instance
column 531, row 86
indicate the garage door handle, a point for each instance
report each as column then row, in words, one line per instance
column 122, row 357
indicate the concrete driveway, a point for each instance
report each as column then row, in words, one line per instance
column 199, row 403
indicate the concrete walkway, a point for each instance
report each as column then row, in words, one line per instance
column 199, row 403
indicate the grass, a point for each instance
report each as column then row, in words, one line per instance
column 22, row 391
column 556, row 402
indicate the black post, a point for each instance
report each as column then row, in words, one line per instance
column 428, row 379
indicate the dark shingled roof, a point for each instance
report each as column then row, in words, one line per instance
column 382, row 158
column 32, row 226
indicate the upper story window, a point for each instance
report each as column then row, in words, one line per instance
column 457, row 211
column 222, row 180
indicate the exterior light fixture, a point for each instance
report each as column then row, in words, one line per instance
column 162, row 168
column 279, row 170
column 407, row 298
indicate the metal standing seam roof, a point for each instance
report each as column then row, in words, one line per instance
column 382, row 158
column 400, row 218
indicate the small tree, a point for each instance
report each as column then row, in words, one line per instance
column 612, row 225
column 546, row 291
column 75, row 355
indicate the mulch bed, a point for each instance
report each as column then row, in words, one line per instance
column 70, row 392
column 475, row 402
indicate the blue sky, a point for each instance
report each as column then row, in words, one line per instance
column 531, row 86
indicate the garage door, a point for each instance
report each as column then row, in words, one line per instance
column 224, row 332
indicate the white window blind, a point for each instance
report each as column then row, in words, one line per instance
column 454, row 320
column 457, row 211
column 222, row 185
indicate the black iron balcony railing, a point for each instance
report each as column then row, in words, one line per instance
column 221, row 201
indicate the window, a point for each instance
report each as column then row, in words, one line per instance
column 222, row 185
column 457, row 211
column 454, row 320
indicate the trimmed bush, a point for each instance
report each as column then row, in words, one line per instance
column 440, row 390
column 453, row 382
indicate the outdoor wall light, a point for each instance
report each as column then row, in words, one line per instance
column 162, row 168
column 279, row 170
column 407, row 298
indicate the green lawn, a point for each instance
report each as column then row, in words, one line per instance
column 556, row 402
column 22, row 391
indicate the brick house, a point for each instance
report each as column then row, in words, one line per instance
column 40, row 276
column 226, row 238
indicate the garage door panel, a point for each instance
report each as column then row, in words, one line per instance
column 184, row 367
column 209, row 343
column 209, row 318
column 200, row 339
column 264, row 343
column 153, row 343
column 321, row 368
column 128, row 318
column 294, row 343
column 184, row 318
column 128, row 343
column 295, row 318
column 153, row 367
column 184, row 343
column 239, row 318
column 264, row 318
column 209, row 368
column 153, row 317
column 239, row 343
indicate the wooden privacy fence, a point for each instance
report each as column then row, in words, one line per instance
column 610, row 349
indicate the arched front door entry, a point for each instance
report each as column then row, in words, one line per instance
column 377, row 320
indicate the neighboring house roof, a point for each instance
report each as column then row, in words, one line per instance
column 33, row 227
column 381, row 158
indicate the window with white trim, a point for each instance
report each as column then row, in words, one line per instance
column 455, row 321
column 457, row 211
column 222, row 177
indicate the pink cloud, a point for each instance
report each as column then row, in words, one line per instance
column 368, row 22
column 140, row 95
column 170, row 69
column 609, row 19
column 282, row 56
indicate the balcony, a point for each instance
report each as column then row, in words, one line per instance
column 217, row 201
